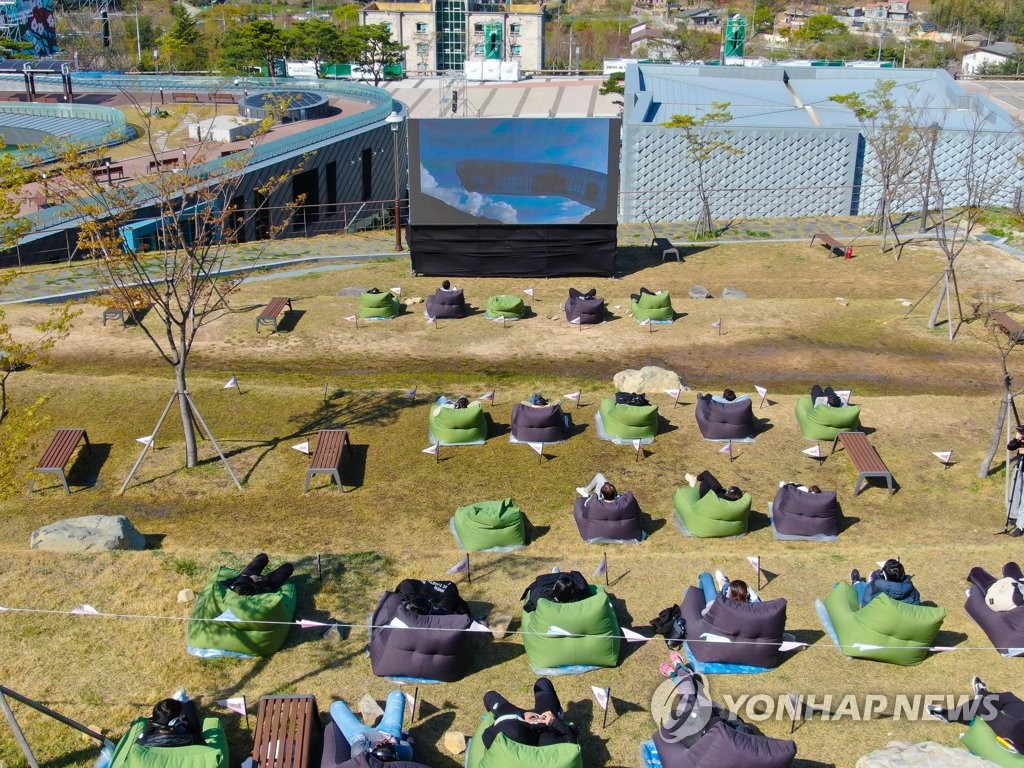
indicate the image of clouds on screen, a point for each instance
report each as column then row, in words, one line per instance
column 570, row 142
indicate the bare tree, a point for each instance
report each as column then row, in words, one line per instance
column 706, row 150
column 961, row 195
column 891, row 128
column 173, row 261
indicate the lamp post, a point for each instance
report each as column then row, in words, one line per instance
column 395, row 120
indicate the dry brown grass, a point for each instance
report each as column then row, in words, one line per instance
column 920, row 393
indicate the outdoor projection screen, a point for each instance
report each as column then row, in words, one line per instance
column 519, row 196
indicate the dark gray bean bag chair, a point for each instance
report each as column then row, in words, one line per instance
column 799, row 514
column 446, row 304
column 337, row 754
column 589, row 311
column 436, row 648
column 612, row 522
column 539, row 423
column 724, row 747
column 743, row 623
column 725, row 421
column 1004, row 628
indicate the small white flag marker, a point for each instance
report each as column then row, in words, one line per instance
column 602, row 568
column 228, row 615
column 431, row 320
column 397, row 290
column 726, row 449
column 489, row 396
column 646, row 322
column 352, row 318
column 944, row 456
column 147, row 440
column 633, row 637
column 717, row 323
column 528, row 292
column 411, row 393
column 538, row 447
column 85, row 610
column 637, row 444
column 575, row 396
column 432, row 450
column 234, row 704
column 602, row 695
column 302, row 447
column 791, row 645
column 814, row 451
column 476, row 626
column 232, row 383
column 309, row 624
column 460, row 567
column 763, row 392
column 673, row 393
column 755, row 562
column 576, row 321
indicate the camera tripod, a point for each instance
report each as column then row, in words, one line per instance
column 1014, row 502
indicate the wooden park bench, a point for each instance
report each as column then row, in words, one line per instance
column 108, row 172
column 269, row 314
column 222, row 98
column 865, row 459
column 184, row 98
column 329, row 455
column 1007, row 325
column 835, row 248
column 58, row 453
column 664, row 245
column 287, row 732
column 163, row 162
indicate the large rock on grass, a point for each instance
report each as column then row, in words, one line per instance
column 650, row 378
column 928, row 754
column 92, row 533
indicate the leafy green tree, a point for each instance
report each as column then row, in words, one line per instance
column 371, row 47
column 183, row 43
column 615, row 84
column 346, row 15
column 317, row 41
column 692, row 44
column 706, row 150
column 256, row 43
column 820, row 28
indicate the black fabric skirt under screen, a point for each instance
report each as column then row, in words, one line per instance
column 511, row 251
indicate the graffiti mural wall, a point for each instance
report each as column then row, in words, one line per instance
column 31, row 21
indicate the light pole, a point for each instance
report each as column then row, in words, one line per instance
column 395, row 120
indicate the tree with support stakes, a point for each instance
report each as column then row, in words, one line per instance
column 892, row 131
column 707, row 152
column 962, row 195
column 193, row 215
column 1004, row 344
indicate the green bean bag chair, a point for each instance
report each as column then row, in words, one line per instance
column 823, row 422
column 373, row 306
column 505, row 753
column 214, row 754
column 490, row 525
column 503, row 305
column 657, row 308
column 249, row 635
column 980, row 739
column 624, row 423
column 458, row 426
column 883, row 630
column 711, row 517
column 592, row 617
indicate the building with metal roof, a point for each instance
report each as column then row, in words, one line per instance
column 802, row 154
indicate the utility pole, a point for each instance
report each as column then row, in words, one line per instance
column 138, row 35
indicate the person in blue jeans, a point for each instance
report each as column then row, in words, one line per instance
column 363, row 738
column 731, row 590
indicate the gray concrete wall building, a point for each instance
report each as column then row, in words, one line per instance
column 802, row 153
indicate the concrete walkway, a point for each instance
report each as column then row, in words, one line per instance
column 81, row 279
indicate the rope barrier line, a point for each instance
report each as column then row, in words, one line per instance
column 635, row 637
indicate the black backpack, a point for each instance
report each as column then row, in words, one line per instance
column 670, row 625
column 543, row 585
column 439, row 598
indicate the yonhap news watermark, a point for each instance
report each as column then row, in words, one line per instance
column 685, row 707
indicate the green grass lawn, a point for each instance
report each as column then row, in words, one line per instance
column 920, row 393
